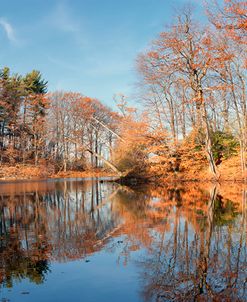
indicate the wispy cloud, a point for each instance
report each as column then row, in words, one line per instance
column 111, row 66
column 62, row 19
column 63, row 64
column 8, row 29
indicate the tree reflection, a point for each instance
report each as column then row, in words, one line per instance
column 41, row 222
column 203, row 257
column 194, row 237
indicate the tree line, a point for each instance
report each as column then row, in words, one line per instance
column 60, row 128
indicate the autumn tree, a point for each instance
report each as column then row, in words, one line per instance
column 80, row 131
column 23, row 107
column 179, row 72
column 10, row 101
column 230, row 26
column 232, row 18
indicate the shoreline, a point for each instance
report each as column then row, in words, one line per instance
column 35, row 173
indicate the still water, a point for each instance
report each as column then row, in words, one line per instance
column 93, row 240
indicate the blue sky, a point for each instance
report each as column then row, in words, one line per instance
column 89, row 46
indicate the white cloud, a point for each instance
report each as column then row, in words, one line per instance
column 8, row 29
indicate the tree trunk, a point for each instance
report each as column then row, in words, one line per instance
column 109, row 164
column 208, row 142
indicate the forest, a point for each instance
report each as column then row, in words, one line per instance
column 193, row 121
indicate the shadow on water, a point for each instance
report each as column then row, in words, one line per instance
column 191, row 240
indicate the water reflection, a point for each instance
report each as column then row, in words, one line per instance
column 200, row 255
column 191, row 239
column 44, row 221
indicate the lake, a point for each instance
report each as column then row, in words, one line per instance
column 94, row 240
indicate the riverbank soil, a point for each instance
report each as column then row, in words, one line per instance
column 23, row 172
column 229, row 170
